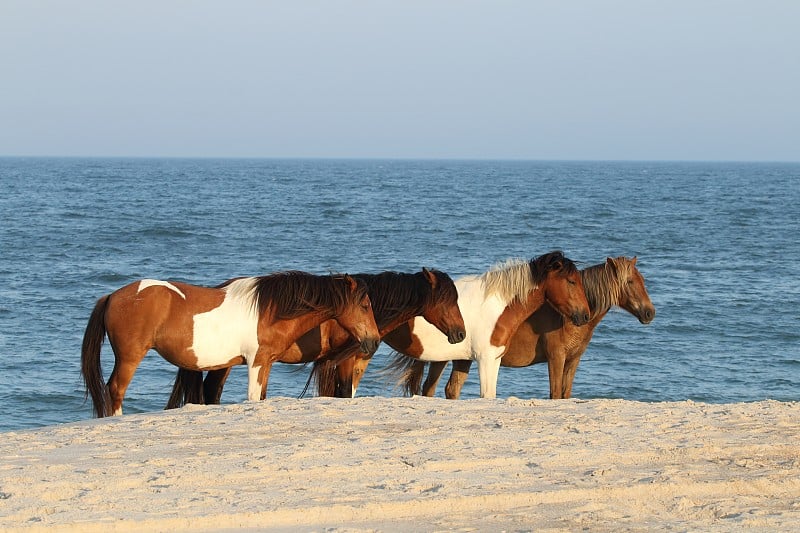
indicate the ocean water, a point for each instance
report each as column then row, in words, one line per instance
column 718, row 244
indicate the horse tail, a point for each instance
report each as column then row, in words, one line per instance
column 188, row 388
column 407, row 373
column 323, row 375
column 91, row 370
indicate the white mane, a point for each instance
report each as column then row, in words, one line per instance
column 510, row 280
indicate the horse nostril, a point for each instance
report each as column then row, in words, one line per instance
column 456, row 336
column 580, row 319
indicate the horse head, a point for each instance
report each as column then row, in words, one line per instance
column 563, row 286
column 356, row 315
column 442, row 308
column 633, row 296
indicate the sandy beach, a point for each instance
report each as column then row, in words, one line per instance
column 411, row 464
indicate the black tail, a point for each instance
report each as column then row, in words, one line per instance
column 323, row 376
column 188, row 388
column 91, row 370
column 407, row 373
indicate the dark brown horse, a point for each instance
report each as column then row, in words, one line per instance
column 494, row 304
column 396, row 298
column 251, row 320
column 546, row 337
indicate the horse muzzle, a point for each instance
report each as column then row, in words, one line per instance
column 369, row 345
column 646, row 315
column 454, row 336
column 579, row 318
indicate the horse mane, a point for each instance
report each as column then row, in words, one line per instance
column 393, row 293
column 510, row 280
column 513, row 279
column 293, row 293
column 603, row 285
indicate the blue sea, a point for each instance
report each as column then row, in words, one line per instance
column 718, row 244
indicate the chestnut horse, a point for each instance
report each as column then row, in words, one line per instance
column 494, row 304
column 251, row 320
column 546, row 337
column 396, row 298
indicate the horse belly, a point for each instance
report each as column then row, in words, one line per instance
column 224, row 333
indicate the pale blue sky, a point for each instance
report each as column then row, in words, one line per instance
column 627, row 79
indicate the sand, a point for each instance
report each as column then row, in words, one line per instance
column 411, row 464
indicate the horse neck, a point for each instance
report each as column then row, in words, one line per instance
column 514, row 315
column 396, row 320
column 396, row 298
column 293, row 328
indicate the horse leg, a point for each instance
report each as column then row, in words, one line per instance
column 488, row 370
column 213, row 384
column 359, row 367
column 120, row 378
column 570, row 367
column 435, row 370
column 344, row 378
column 257, row 379
column 458, row 376
column 555, row 369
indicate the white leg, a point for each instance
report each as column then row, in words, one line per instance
column 488, row 370
column 253, row 386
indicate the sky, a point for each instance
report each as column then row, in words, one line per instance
column 566, row 80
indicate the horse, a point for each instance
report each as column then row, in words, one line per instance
column 494, row 304
column 546, row 337
column 250, row 320
column 396, row 297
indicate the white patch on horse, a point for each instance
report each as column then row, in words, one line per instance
column 480, row 309
column 230, row 330
column 158, row 283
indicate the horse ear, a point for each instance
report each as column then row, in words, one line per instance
column 633, row 261
column 430, row 276
column 353, row 283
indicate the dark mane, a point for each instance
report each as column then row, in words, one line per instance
column 552, row 261
column 293, row 293
column 393, row 293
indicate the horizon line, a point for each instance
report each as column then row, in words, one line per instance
column 400, row 158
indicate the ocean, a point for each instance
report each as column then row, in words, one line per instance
column 718, row 244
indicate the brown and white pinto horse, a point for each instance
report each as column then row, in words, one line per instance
column 251, row 320
column 546, row 337
column 396, row 297
column 494, row 304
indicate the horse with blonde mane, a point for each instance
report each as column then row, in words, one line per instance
column 545, row 337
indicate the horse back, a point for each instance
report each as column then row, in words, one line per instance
column 141, row 313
